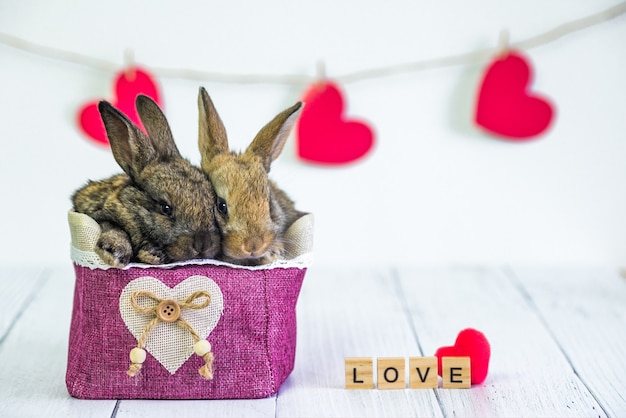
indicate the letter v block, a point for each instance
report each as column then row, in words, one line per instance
column 423, row 373
column 359, row 373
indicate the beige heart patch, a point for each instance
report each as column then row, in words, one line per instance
column 168, row 342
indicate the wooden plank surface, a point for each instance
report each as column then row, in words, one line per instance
column 585, row 310
column 347, row 312
column 557, row 339
column 33, row 357
column 197, row 408
column 528, row 375
column 18, row 286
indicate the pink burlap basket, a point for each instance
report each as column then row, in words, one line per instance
column 250, row 323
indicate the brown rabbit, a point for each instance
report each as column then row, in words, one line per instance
column 162, row 209
column 252, row 212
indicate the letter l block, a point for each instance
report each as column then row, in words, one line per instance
column 359, row 373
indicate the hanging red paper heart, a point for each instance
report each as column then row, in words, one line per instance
column 473, row 344
column 324, row 135
column 505, row 107
column 128, row 84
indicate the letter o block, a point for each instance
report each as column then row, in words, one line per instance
column 391, row 373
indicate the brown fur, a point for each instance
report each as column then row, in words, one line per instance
column 129, row 207
column 258, row 212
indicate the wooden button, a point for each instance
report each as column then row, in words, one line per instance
column 168, row 311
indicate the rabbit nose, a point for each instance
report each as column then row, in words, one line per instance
column 201, row 242
column 254, row 247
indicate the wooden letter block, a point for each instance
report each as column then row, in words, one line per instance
column 359, row 373
column 423, row 372
column 456, row 373
column 391, row 373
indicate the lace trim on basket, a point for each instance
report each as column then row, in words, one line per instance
column 93, row 261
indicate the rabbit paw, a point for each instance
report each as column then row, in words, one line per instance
column 114, row 248
column 152, row 255
column 276, row 253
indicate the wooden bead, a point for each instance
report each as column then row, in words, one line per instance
column 137, row 355
column 202, row 347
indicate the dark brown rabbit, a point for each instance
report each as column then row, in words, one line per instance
column 161, row 209
column 252, row 212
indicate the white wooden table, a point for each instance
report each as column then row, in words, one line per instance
column 558, row 338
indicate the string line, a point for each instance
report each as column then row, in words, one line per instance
column 300, row 79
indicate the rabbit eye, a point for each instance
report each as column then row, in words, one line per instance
column 166, row 209
column 221, row 206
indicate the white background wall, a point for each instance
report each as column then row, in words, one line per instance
column 433, row 190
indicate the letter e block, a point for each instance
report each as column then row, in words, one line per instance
column 456, row 373
column 423, row 373
column 391, row 373
column 359, row 373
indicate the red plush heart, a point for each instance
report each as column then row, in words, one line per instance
column 324, row 135
column 473, row 344
column 505, row 107
column 128, row 85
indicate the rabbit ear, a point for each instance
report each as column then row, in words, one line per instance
column 157, row 127
column 131, row 148
column 270, row 140
column 212, row 138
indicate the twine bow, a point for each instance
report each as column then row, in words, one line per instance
column 167, row 310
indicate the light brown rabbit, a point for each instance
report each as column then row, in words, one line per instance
column 252, row 212
column 162, row 209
